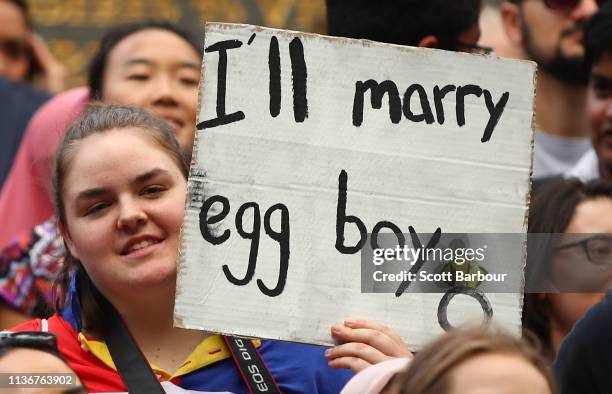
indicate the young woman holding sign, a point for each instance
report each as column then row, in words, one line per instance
column 121, row 226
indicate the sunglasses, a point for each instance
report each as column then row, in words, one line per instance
column 14, row 49
column 30, row 339
column 473, row 48
column 566, row 5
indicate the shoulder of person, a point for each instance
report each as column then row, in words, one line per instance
column 585, row 356
column 375, row 378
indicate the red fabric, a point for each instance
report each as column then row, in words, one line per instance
column 95, row 375
column 25, row 200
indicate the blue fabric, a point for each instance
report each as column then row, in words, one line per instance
column 18, row 102
column 296, row 368
column 584, row 360
column 72, row 312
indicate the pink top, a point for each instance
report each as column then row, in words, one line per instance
column 25, row 199
column 374, row 378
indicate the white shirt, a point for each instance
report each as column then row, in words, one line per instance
column 586, row 169
column 555, row 155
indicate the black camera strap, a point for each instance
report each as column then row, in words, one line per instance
column 251, row 366
column 131, row 364
column 138, row 376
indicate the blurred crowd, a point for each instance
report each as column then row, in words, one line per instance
column 145, row 75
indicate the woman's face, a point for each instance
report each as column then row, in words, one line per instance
column 573, row 269
column 123, row 221
column 497, row 373
column 158, row 71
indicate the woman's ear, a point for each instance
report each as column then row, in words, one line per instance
column 66, row 235
column 428, row 41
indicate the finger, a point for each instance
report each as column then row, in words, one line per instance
column 356, row 350
column 374, row 326
column 354, row 364
column 42, row 53
column 374, row 338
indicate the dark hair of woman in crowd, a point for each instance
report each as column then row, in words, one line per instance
column 100, row 118
column 432, row 371
column 551, row 212
column 98, row 63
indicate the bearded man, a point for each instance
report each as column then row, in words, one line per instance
column 550, row 32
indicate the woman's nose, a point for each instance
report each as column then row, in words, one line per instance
column 131, row 215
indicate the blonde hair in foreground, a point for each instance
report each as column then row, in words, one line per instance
column 430, row 371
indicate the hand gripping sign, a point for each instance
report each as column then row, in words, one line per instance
column 305, row 144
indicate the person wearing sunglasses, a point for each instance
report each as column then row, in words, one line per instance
column 24, row 57
column 34, row 354
column 23, row 54
column 550, row 33
column 442, row 24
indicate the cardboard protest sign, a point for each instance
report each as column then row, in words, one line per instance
column 305, row 143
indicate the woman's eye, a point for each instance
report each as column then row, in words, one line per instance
column 138, row 77
column 97, row 207
column 152, row 190
column 190, row 81
column 602, row 251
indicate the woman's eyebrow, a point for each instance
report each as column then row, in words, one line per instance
column 91, row 193
column 195, row 66
column 149, row 175
column 148, row 62
column 100, row 191
column 138, row 60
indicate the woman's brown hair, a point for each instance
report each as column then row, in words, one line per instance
column 431, row 369
column 99, row 118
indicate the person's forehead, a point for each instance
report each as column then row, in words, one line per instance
column 23, row 360
column 152, row 44
column 97, row 155
column 12, row 20
column 114, row 141
column 592, row 216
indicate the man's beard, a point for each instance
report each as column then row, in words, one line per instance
column 573, row 70
column 605, row 169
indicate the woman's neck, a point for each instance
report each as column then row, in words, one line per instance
column 151, row 326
